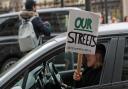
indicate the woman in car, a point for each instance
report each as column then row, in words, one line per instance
column 92, row 65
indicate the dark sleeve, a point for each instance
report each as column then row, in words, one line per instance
column 41, row 27
column 96, row 80
column 93, row 79
column 78, row 84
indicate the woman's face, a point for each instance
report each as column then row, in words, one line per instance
column 91, row 60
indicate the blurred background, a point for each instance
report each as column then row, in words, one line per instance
column 108, row 9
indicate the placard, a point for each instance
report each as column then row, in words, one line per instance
column 82, row 32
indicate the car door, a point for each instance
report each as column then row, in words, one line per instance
column 9, row 48
column 28, row 76
column 110, row 44
column 120, row 76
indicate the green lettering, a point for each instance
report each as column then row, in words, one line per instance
column 89, row 23
column 83, row 24
column 78, row 22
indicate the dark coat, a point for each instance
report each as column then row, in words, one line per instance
column 90, row 77
column 40, row 27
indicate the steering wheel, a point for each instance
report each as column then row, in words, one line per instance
column 56, row 76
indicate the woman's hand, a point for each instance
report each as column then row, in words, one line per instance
column 77, row 75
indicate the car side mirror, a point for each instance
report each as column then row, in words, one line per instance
column 16, row 87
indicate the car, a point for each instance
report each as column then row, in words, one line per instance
column 39, row 68
column 9, row 23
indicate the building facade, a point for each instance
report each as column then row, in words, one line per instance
column 107, row 8
column 11, row 5
column 114, row 7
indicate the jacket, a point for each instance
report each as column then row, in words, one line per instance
column 39, row 26
column 90, row 77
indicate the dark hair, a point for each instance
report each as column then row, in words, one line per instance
column 29, row 5
column 101, row 49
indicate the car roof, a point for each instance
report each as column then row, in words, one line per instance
column 114, row 29
column 42, row 11
column 110, row 29
column 58, row 9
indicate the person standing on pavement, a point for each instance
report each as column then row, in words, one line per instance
column 113, row 19
column 40, row 27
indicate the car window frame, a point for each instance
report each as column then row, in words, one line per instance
column 14, row 17
column 105, row 84
column 119, row 62
column 107, row 78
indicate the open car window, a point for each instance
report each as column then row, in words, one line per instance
column 65, row 61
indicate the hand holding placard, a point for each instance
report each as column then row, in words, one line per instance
column 79, row 62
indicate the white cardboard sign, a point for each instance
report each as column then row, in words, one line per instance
column 82, row 32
